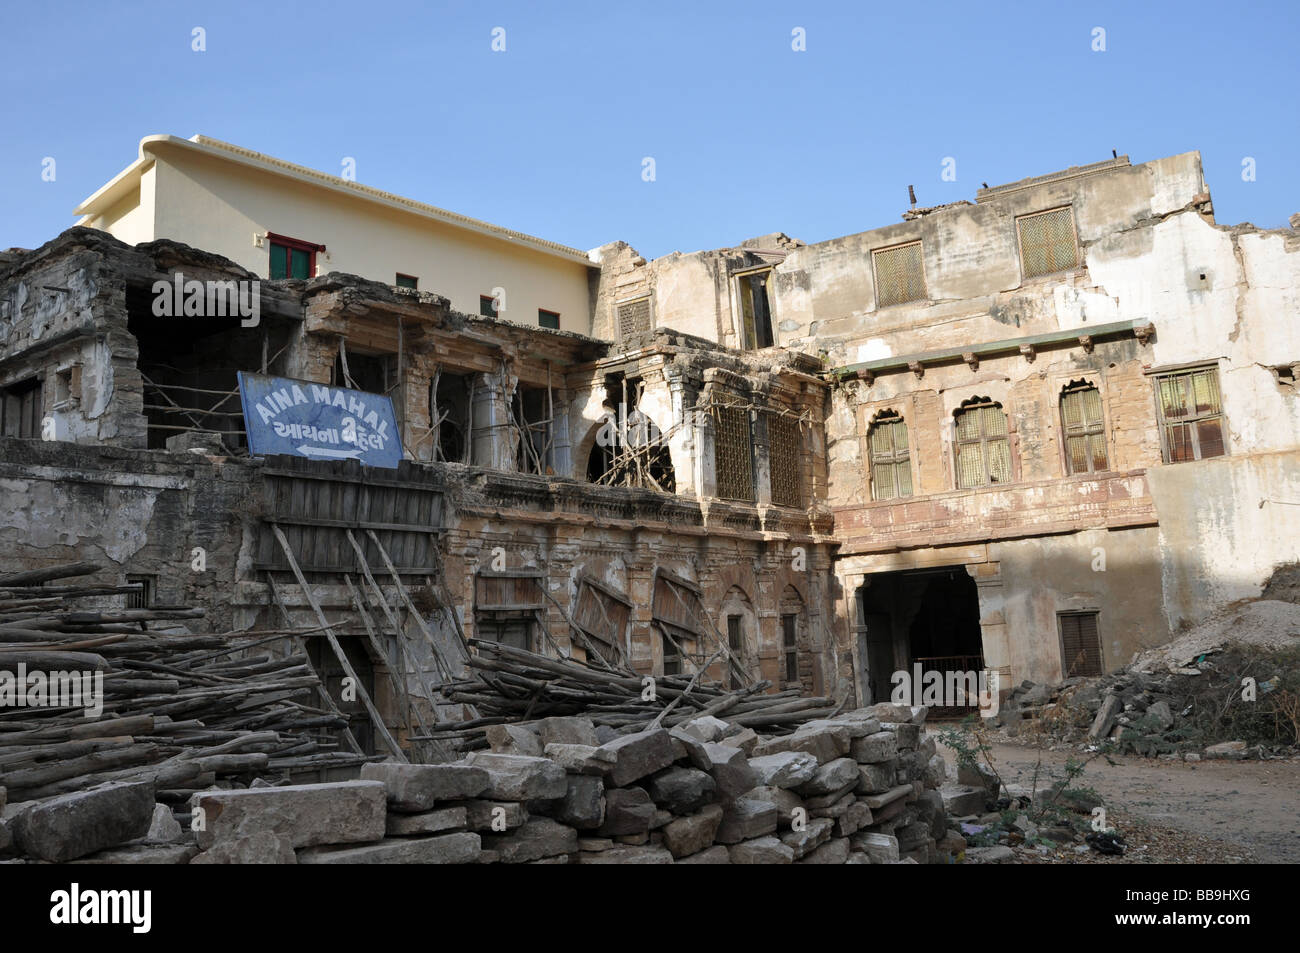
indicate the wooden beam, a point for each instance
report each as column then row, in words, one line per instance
column 338, row 649
column 301, row 646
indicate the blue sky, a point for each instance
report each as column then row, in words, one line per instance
column 748, row 135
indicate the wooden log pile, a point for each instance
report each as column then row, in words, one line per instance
column 177, row 708
column 514, row 686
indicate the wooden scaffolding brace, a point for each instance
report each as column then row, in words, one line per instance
column 725, row 650
column 389, row 741
column 300, row 645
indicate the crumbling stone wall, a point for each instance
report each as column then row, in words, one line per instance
column 63, row 321
column 134, row 512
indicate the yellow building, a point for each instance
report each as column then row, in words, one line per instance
column 281, row 220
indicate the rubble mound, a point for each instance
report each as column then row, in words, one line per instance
column 1267, row 623
column 1228, row 688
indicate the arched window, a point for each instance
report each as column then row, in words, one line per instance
column 891, row 464
column 983, row 450
column 740, row 628
column 631, row 451
column 1084, row 429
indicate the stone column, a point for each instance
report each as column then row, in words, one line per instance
column 490, row 424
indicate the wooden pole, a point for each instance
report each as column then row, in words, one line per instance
column 338, row 649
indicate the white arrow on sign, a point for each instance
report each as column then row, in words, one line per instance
column 307, row 451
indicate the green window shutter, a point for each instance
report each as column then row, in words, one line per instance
column 299, row 263
column 279, row 262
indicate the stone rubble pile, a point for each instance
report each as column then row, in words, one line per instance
column 859, row 787
column 1183, row 699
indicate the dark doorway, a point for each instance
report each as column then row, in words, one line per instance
column 925, row 616
column 347, row 697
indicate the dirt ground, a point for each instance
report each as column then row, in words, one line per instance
column 1248, row 811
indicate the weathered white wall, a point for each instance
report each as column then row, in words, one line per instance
column 1225, row 524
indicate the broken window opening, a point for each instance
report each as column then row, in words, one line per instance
column 630, row 449
column 675, row 647
column 190, row 377
column 508, row 608
column 449, row 409
column 1047, row 242
column 676, row 612
column 900, row 274
column 531, row 417
column 1080, row 644
column 755, row 309
column 983, row 450
column 1190, row 410
column 733, row 457
column 603, row 615
column 890, row 457
column 1085, row 432
column 67, row 387
column 372, row 372
column 20, row 409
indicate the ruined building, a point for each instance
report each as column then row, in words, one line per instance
column 1030, row 433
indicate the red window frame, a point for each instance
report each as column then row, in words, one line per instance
column 295, row 244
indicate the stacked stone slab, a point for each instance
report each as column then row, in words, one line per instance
column 860, row 787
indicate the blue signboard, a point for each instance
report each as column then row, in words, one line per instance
column 318, row 422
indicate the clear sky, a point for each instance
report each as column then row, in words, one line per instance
column 748, row 134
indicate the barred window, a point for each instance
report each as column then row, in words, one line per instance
column 983, row 449
column 1047, row 242
column 633, row 318
column 1085, row 432
column 900, row 274
column 891, row 464
column 785, row 461
column 733, row 461
column 1190, row 408
column 1080, row 644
